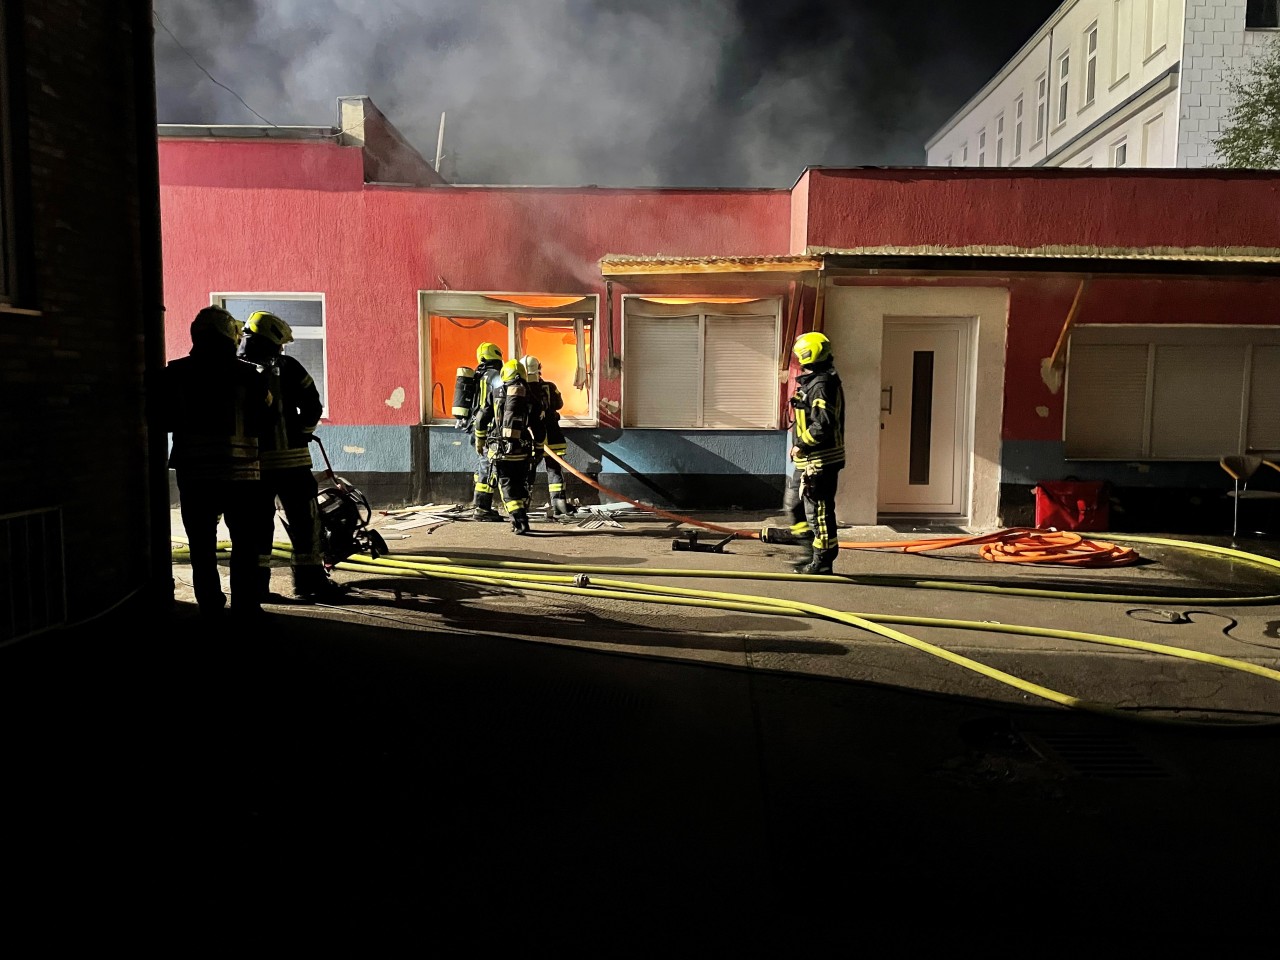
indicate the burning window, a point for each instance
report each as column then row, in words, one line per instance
column 555, row 329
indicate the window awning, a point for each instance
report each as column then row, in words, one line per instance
column 1080, row 261
column 626, row 265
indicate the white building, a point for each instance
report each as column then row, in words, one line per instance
column 1111, row 83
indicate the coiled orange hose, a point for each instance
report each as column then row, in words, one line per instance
column 1011, row 545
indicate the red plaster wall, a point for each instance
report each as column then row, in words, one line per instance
column 296, row 217
column 1038, row 309
column 1033, row 207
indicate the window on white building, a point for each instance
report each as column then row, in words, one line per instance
column 1119, row 154
column 1000, row 140
column 982, row 148
column 303, row 312
column 1064, row 77
column 1262, row 13
column 1017, row 128
column 964, row 155
column 1122, row 38
column 700, row 365
column 1042, row 106
column 950, row 157
column 1090, row 63
column 558, row 330
column 1168, row 393
column 1157, row 26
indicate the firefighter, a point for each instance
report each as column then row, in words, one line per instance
column 286, row 457
column 216, row 405
column 817, row 452
column 503, row 435
column 488, row 370
column 548, row 438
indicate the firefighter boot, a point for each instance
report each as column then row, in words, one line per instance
column 483, row 508
column 805, row 558
column 520, row 522
column 822, row 561
column 311, row 584
column 560, row 507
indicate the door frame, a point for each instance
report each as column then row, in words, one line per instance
column 962, row 435
column 853, row 317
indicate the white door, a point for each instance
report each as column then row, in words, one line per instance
column 924, row 436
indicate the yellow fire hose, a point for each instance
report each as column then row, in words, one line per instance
column 593, row 581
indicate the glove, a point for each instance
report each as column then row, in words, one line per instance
column 479, row 446
column 459, row 423
column 797, row 401
column 795, row 452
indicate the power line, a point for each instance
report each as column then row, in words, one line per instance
column 207, row 73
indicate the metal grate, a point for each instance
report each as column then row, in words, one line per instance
column 33, row 596
column 1100, row 756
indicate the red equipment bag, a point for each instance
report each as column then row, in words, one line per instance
column 1072, row 505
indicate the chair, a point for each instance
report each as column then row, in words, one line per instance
column 1241, row 469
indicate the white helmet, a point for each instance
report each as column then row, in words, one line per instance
column 532, row 368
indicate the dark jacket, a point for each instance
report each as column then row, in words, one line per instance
column 818, row 432
column 216, row 407
column 546, row 427
column 295, row 403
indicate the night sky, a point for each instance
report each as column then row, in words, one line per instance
column 571, row 92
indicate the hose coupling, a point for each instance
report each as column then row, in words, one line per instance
column 581, row 580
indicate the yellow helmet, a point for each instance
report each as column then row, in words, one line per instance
column 270, row 327
column 811, row 348
column 216, row 321
column 512, row 370
column 488, row 351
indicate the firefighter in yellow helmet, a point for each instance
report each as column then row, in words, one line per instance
column 216, row 405
column 817, row 453
column 287, row 470
column 487, row 373
column 504, row 424
column 548, row 438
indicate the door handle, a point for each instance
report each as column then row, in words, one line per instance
column 886, row 399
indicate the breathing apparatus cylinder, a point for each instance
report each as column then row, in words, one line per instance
column 464, row 391
column 515, row 411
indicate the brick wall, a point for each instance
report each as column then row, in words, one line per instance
column 73, row 360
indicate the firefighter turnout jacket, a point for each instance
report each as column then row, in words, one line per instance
column 489, row 375
column 818, row 433
column 545, row 427
column 216, row 406
column 296, row 402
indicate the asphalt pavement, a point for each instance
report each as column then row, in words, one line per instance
column 473, row 761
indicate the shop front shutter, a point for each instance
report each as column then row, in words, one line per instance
column 1263, row 433
column 1106, row 400
column 741, row 389
column 1195, row 400
column 661, row 372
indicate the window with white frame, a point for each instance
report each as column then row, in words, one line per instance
column 303, row 312
column 1000, row 140
column 1017, row 128
column 1121, row 39
column 949, row 159
column 1042, row 106
column 982, row 148
column 558, row 330
column 1090, row 63
column 1261, row 14
column 700, row 365
column 1120, row 153
column 1172, row 393
column 964, row 153
column 1064, row 77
